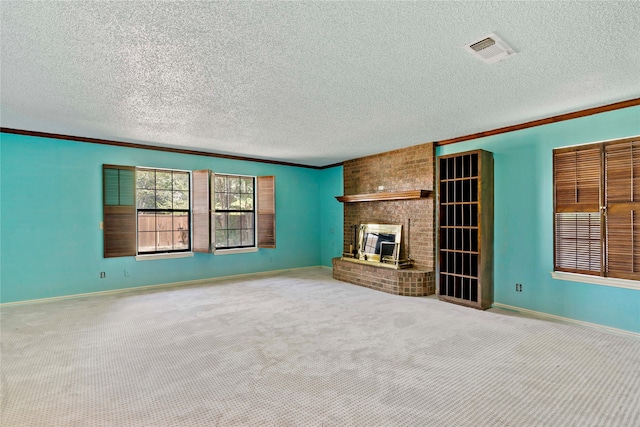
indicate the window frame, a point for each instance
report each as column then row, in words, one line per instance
column 586, row 203
column 188, row 211
column 214, row 212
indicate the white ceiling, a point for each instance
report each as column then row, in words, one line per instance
column 313, row 83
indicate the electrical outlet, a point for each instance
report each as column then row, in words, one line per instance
column 126, row 273
column 103, row 274
column 518, row 287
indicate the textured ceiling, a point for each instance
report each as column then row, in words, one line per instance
column 313, row 83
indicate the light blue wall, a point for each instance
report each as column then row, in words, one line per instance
column 51, row 203
column 51, row 207
column 523, row 245
column 331, row 236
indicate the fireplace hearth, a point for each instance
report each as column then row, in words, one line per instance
column 378, row 276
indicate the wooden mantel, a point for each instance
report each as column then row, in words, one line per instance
column 376, row 197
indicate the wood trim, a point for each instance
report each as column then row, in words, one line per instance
column 333, row 165
column 578, row 207
column 118, row 210
column 559, row 118
column 554, row 119
column 618, row 207
column 154, row 148
column 543, row 315
column 376, row 197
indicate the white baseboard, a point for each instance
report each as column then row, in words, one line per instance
column 158, row 286
column 548, row 316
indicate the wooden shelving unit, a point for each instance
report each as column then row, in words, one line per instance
column 465, row 182
column 376, row 197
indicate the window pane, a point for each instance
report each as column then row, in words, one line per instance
column 234, row 201
column 247, row 220
column 164, row 180
column 164, row 221
column 146, row 241
column 221, row 221
column 181, row 200
column 221, row 202
column 178, row 245
column 220, row 183
column 234, row 184
column 247, row 185
column 234, row 220
column 145, row 179
column 221, row 238
column 248, row 202
column 212, row 231
column 146, row 221
column 247, row 237
column 146, row 199
column 164, row 199
column 180, row 220
column 180, row 181
column 164, row 240
column 234, row 238
column 180, row 230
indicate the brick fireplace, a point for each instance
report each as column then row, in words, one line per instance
column 401, row 170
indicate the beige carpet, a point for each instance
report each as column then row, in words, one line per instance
column 297, row 348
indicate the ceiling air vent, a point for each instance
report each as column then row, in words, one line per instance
column 490, row 49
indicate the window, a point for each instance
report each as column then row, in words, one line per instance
column 233, row 211
column 597, row 209
column 234, row 217
column 146, row 211
column 163, row 210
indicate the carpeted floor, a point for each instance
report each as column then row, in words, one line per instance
column 297, row 348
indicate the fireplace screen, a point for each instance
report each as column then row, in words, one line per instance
column 379, row 242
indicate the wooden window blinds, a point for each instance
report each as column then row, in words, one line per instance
column 266, row 212
column 201, row 208
column 596, row 224
column 119, row 211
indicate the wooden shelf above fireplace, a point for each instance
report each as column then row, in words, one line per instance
column 393, row 195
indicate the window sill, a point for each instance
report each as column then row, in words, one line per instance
column 596, row 280
column 151, row 257
column 234, row 251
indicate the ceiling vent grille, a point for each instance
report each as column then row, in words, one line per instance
column 490, row 49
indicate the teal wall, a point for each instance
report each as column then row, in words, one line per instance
column 523, row 245
column 331, row 237
column 51, row 208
